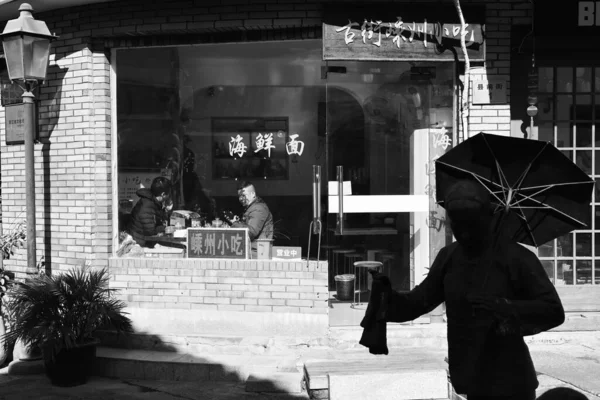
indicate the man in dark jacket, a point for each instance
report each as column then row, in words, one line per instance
column 150, row 213
column 496, row 291
column 257, row 216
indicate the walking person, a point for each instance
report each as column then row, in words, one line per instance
column 496, row 291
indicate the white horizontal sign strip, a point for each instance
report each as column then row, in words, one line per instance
column 380, row 204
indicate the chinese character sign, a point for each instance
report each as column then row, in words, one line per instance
column 286, row 253
column 264, row 142
column 294, row 146
column 491, row 91
column 237, row 146
column 389, row 36
column 218, row 243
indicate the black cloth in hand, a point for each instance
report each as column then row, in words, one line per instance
column 374, row 335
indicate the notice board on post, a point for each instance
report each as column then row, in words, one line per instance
column 15, row 115
column 231, row 243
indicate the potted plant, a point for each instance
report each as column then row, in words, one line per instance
column 60, row 314
column 13, row 238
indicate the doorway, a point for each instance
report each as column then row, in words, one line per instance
column 386, row 122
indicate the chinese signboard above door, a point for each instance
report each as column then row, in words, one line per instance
column 400, row 32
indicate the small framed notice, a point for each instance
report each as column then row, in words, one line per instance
column 490, row 91
column 15, row 123
column 231, row 243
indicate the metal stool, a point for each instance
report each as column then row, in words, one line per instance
column 337, row 265
column 350, row 259
column 362, row 268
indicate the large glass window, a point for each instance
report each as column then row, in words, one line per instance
column 210, row 116
column 569, row 113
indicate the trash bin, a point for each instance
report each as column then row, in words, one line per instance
column 344, row 286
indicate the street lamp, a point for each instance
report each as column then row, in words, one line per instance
column 26, row 43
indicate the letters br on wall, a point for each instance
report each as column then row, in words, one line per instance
column 401, row 32
column 218, row 243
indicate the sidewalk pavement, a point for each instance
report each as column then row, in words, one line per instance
column 38, row 387
column 573, row 363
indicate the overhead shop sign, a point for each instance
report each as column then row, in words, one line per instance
column 372, row 33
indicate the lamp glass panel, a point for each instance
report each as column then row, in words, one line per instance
column 13, row 51
column 35, row 57
column 41, row 52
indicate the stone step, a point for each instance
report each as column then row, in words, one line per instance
column 398, row 335
column 278, row 382
column 412, row 363
column 172, row 366
column 212, row 344
column 343, row 338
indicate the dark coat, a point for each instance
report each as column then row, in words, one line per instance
column 486, row 353
column 147, row 217
column 259, row 221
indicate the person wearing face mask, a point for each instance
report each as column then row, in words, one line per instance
column 150, row 214
column 495, row 290
column 257, row 216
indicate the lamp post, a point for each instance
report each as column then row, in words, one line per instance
column 26, row 43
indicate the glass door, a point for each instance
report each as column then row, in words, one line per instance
column 385, row 124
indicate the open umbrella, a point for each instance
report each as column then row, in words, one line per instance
column 539, row 194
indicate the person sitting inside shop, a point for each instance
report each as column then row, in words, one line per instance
column 151, row 212
column 257, row 216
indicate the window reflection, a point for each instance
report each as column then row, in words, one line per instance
column 546, row 79
column 584, row 160
column 584, row 79
column 583, row 134
column 564, row 246
column 583, row 272
column 564, row 134
column 564, row 79
column 549, row 268
column 583, row 244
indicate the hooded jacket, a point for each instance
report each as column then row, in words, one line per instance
column 147, row 217
column 484, row 355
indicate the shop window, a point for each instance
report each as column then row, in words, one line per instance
column 209, row 116
column 569, row 102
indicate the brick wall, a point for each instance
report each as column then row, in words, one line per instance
column 500, row 16
column 73, row 179
column 222, row 285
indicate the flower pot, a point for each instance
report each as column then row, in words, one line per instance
column 3, row 351
column 71, row 367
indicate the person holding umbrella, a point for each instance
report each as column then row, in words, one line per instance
column 498, row 192
column 496, row 291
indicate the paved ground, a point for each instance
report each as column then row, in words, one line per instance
column 574, row 364
column 38, row 387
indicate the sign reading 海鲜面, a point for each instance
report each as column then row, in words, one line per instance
column 391, row 35
column 217, row 243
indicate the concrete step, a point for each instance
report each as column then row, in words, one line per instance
column 414, row 364
column 171, row 366
column 398, row 336
column 278, row 382
column 217, row 344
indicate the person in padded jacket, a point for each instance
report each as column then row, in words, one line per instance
column 150, row 212
column 257, row 216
